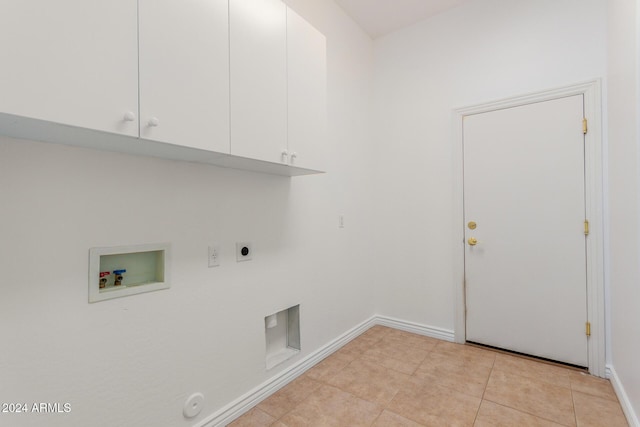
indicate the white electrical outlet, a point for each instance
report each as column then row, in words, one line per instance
column 214, row 255
column 244, row 251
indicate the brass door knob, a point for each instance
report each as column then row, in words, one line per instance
column 472, row 241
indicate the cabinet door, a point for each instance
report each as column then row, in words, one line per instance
column 307, row 91
column 184, row 72
column 258, row 79
column 71, row 61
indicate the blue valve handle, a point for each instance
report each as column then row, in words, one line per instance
column 119, row 271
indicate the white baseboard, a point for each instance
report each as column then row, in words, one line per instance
column 244, row 403
column 627, row 408
column 416, row 328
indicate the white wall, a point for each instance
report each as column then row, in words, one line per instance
column 479, row 52
column 624, row 197
column 133, row 361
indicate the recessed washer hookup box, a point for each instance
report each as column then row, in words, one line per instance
column 128, row 270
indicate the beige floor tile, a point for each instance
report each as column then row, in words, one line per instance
column 397, row 333
column 289, row 396
column 396, row 349
column 434, row 405
column 459, row 374
column 354, row 349
column 377, row 331
column 404, row 366
column 494, row 415
column 369, row 381
column 532, row 396
column 593, row 411
column 253, row 418
column 328, row 367
column 329, row 407
column 372, row 335
column 412, row 340
column 594, row 386
column 529, row 368
column 470, row 354
column 390, row 419
column 387, row 377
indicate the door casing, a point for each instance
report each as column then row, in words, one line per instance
column 594, row 209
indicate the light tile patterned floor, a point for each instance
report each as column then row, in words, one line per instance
column 389, row 378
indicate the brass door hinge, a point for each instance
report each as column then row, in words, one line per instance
column 586, row 227
column 588, row 329
column 584, row 126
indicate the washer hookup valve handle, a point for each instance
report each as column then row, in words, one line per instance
column 119, row 277
column 103, row 278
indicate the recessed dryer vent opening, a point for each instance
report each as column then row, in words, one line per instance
column 127, row 270
column 282, row 330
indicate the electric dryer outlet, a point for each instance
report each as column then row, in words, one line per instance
column 244, row 251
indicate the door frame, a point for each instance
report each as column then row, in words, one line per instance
column 593, row 204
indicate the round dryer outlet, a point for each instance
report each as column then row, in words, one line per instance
column 244, row 251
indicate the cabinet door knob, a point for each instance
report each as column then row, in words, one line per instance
column 154, row 122
column 129, row 116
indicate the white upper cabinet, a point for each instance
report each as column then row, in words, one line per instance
column 258, row 79
column 184, row 72
column 238, row 83
column 307, row 83
column 72, row 62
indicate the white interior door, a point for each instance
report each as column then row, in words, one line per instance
column 524, row 188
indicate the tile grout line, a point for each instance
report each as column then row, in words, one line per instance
column 573, row 403
column 486, row 384
column 297, row 404
column 509, row 407
column 522, row 410
column 361, row 357
column 387, row 405
column 528, row 413
column 322, row 382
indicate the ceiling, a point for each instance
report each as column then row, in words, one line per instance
column 380, row 17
